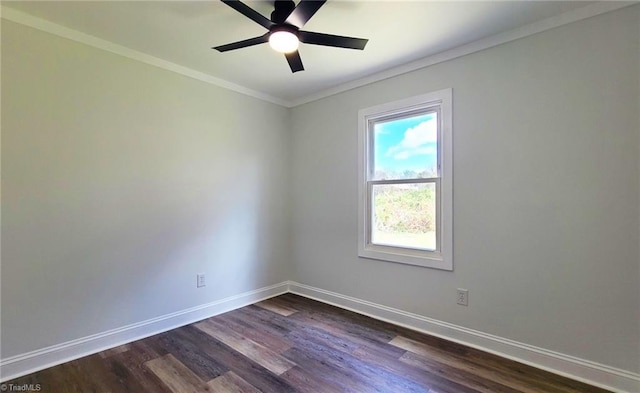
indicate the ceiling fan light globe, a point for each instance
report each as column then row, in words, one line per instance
column 283, row 41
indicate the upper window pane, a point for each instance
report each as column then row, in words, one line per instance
column 406, row 148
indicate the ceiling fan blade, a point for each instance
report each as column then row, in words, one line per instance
column 243, row 44
column 249, row 13
column 303, row 12
column 294, row 60
column 309, row 37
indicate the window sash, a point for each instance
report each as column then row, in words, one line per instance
column 369, row 211
column 369, row 183
column 399, row 115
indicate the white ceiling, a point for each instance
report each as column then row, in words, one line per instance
column 399, row 32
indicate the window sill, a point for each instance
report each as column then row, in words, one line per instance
column 433, row 260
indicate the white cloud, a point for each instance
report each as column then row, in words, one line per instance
column 379, row 130
column 415, row 141
column 403, row 155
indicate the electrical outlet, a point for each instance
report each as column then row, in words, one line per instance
column 462, row 297
column 200, row 280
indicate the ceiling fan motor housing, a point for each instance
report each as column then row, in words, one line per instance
column 282, row 9
column 284, row 27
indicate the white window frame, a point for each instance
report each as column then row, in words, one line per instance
column 442, row 257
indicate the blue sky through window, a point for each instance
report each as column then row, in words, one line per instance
column 406, row 145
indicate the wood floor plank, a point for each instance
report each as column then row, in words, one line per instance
column 488, row 369
column 340, row 338
column 254, row 351
column 347, row 381
column 92, row 373
column 447, row 359
column 349, row 321
column 187, row 348
column 453, row 374
column 63, row 378
column 255, row 332
column 344, row 365
column 532, row 375
column 275, row 324
column 306, row 381
column 433, row 381
column 114, row 351
column 340, row 324
column 230, row 383
column 277, row 307
column 247, row 369
column 133, row 360
column 175, row 375
column 89, row 374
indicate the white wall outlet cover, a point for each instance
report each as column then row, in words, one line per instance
column 200, row 282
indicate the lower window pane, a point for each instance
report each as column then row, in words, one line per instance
column 404, row 215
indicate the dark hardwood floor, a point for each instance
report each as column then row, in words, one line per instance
column 293, row 344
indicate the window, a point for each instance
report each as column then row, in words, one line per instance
column 405, row 181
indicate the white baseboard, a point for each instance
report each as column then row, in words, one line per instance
column 17, row 366
column 586, row 371
column 592, row 373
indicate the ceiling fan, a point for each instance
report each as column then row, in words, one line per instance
column 284, row 33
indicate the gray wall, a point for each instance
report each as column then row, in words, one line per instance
column 546, row 200
column 120, row 182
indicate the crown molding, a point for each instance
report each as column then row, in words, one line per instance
column 75, row 35
column 575, row 15
column 475, row 46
